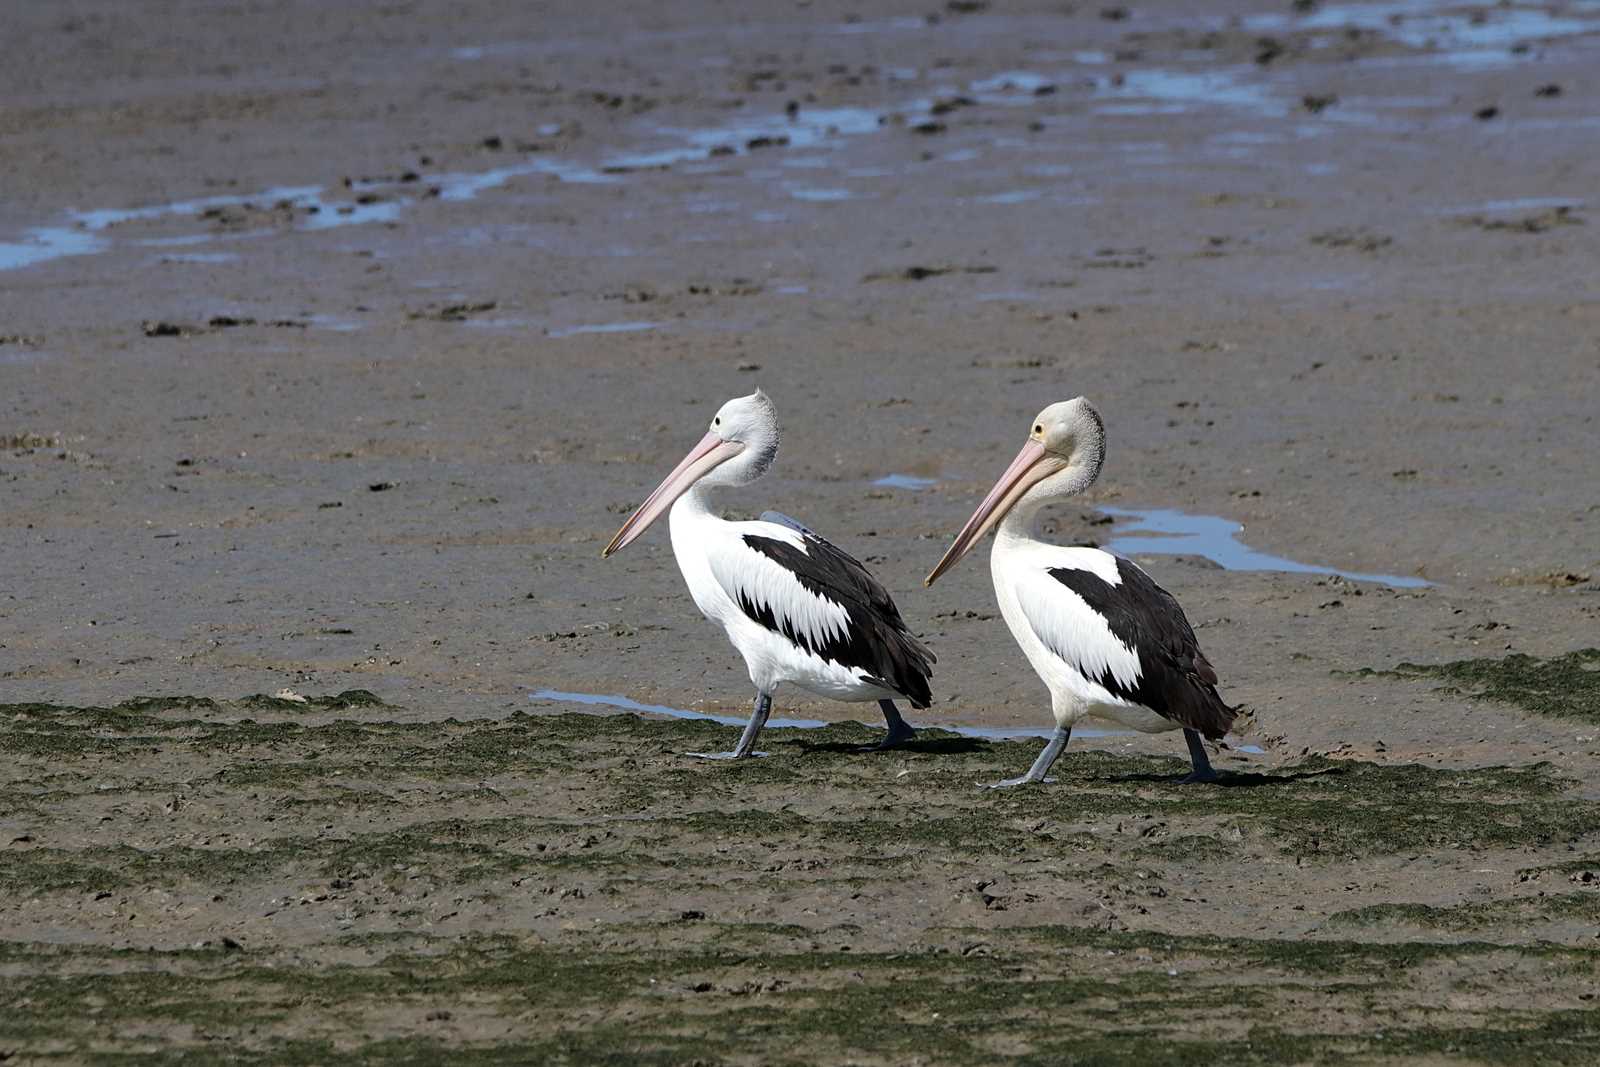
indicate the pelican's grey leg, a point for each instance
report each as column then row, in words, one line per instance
column 752, row 730
column 1036, row 773
column 899, row 733
column 1197, row 755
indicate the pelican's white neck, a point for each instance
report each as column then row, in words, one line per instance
column 1018, row 524
column 694, row 504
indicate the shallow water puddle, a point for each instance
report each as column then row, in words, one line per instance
column 1012, row 196
column 1459, row 35
column 313, row 210
column 44, row 243
column 353, row 215
column 336, row 323
column 987, row 733
column 1515, row 205
column 1175, row 92
column 86, row 234
column 464, row 186
column 602, row 327
column 198, row 257
column 626, row 704
column 991, row 733
column 1430, row 24
column 1011, row 87
column 1014, row 296
column 904, row 481
column 497, row 324
column 1176, row 533
column 1135, row 92
column 898, row 22
column 820, row 195
column 19, row 355
column 810, row 127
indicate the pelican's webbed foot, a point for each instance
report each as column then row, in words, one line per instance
column 1026, row 779
column 1197, row 755
column 747, row 740
column 899, row 731
column 1041, row 766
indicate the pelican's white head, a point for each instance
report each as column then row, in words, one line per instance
column 750, row 421
column 739, row 447
column 1074, row 435
column 1065, row 450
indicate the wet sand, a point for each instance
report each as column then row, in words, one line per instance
column 334, row 344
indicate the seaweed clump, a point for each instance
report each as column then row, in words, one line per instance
column 1567, row 686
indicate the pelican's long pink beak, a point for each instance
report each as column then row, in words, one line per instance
column 711, row 451
column 1032, row 464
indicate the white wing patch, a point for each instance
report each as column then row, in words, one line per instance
column 1097, row 561
column 747, row 575
column 772, row 530
column 1066, row 625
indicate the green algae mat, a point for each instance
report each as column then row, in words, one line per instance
column 275, row 882
column 1563, row 687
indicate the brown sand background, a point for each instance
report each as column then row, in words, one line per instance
column 1263, row 300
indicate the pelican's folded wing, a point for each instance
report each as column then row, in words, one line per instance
column 1127, row 636
column 792, row 581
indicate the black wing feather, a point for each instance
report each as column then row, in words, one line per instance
column 877, row 640
column 1175, row 678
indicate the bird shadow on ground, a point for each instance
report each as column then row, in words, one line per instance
column 933, row 746
column 1229, row 779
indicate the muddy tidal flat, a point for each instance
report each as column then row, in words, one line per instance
column 308, row 883
column 336, row 341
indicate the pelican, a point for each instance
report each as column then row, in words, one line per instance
column 1102, row 636
column 797, row 608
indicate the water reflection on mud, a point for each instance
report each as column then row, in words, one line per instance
column 1166, row 532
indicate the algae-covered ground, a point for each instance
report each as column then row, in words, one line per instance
column 1566, row 686
column 268, row 881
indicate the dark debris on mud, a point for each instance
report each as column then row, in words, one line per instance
column 1537, row 222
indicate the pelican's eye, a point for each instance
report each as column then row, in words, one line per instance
column 1039, row 429
column 717, row 421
